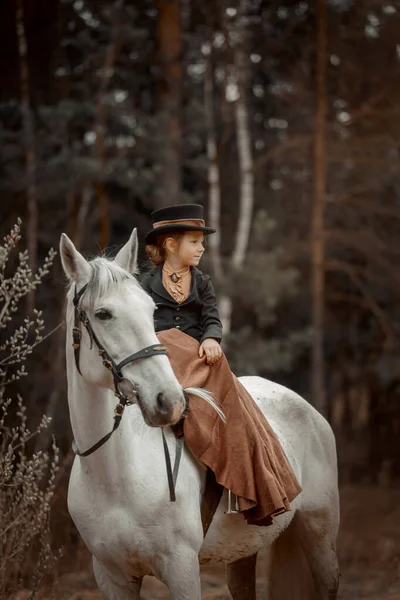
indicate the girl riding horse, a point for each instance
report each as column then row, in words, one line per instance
column 244, row 453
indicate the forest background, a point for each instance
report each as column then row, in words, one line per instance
column 282, row 119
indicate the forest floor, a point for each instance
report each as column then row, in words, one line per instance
column 369, row 553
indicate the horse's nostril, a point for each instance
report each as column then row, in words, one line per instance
column 162, row 404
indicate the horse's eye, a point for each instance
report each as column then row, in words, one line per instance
column 103, row 314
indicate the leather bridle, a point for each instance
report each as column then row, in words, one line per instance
column 80, row 316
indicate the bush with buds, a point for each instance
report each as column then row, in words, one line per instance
column 27, row 479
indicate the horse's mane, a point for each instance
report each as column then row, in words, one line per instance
column 104, row 274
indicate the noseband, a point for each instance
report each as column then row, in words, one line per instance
column 80, row 316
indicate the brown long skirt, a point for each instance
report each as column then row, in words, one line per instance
column 244, row 454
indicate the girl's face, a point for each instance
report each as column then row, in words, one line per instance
column 189, row 250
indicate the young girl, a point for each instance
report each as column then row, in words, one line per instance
column 244, row 454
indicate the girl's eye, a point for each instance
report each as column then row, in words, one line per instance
column 103, row 314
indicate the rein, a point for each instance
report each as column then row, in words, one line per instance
column 80, row 316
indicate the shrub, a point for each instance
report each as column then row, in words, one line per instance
column 27, row 479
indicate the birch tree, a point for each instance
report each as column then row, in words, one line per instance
column 236, row 87
column 213, row 173
column 246, row 197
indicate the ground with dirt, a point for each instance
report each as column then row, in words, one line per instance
column 369, row 550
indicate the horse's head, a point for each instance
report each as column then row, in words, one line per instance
column 120, row 313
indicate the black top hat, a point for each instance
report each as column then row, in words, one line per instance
column 177, row 218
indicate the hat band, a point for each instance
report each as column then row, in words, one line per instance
column 195, row 222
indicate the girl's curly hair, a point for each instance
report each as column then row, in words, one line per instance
column 157, row 252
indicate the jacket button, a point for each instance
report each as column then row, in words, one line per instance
column 177, row 308
column 177, row 318
column 177, row 327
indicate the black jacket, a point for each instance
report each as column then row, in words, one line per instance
column 197, row 316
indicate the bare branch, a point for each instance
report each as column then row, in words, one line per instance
column 337, row 265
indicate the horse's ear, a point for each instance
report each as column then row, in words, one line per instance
column 127, row 256
column 75, row 266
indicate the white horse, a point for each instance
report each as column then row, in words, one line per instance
column 118, row 496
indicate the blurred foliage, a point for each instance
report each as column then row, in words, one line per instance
column 95, row 80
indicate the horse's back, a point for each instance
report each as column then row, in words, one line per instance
column 305, row 435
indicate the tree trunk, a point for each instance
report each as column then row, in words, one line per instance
column 245, row 160
column 169, row 38
column 29, row 146
column 317, row 234
column 112, row 51
column 214, row 184
column 246, row 199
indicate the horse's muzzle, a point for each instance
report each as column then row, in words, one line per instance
column 164, row 411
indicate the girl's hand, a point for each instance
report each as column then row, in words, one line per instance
column 211, row 349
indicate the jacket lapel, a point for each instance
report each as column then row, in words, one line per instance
column 193, row 293
column 157, row 285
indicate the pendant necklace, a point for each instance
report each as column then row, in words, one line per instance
column 174, row 277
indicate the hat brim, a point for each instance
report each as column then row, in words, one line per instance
column 152, row 236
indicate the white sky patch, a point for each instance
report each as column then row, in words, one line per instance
column 255, row 58
column 373, row 19
column 258, row 90
column 129, row 121
column 344, row 117
column 125, row 141
column 276, row 184
column 339, row 104
column 196, row 69
column 90, row 138
column 120, row 96
column 85, row 14
column 232, row 92
column 398, row 50
column 276, row 123
column 371, row 31
column 301, row 8
column 89, row 19
column 279, row 87
column 335, row 60
column 388, row 9
column 218, row 40
column 231, row 11
column 205, row 49
column 219, row 74
column 60, row 72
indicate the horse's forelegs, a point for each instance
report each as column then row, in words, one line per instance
column 113, row 591
column 241, row 576
column 182, row 576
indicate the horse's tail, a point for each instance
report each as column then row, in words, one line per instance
column 208, row 397
column 290, row 577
